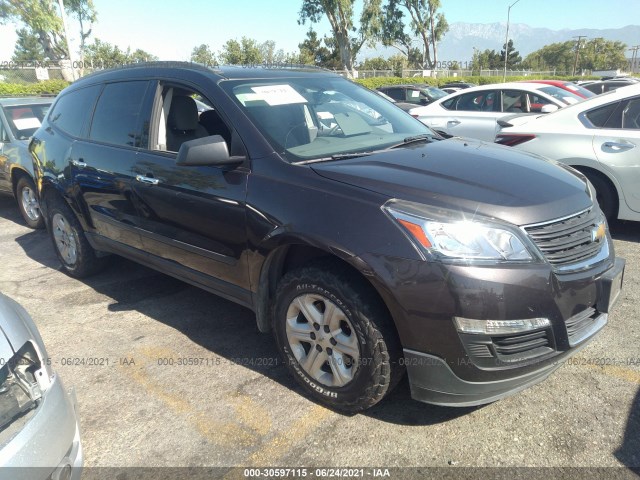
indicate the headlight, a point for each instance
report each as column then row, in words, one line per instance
column 448, row 234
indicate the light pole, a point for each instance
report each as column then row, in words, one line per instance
column 506, row 42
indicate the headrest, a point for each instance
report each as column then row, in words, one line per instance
column 183, row 114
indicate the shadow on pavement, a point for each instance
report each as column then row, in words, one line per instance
column 629, row 451
column 220, row 326
column 625, row 230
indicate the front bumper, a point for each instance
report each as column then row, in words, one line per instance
column 447, row 367
column 49, row 443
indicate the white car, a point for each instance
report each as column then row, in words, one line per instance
column 600, row 137
column 474, row 112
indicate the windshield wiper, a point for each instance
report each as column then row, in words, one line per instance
column 337, row 156
column 424, row 137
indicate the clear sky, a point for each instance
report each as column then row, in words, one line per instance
column 171, row 29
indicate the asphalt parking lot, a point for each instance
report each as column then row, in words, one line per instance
column 122, row 338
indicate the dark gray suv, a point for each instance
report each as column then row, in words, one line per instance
column 366, row 243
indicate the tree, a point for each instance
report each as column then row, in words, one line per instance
column 270, row 55
column 340, row 16
column 105, row 55
column 42, row 20
column 595, row 54
column 27, row 49
column 244, row 52
column 488, row 59
column 376, row 63
column 313, row 52
column 203, row 54
column 139, row 56
column 513, row 59
column 426, row 23
column 86, row 14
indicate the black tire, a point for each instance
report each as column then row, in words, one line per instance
column 377, row 370
column 26, row 197
column 605, row 195
column 63, row 223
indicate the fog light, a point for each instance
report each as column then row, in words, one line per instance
column 500, row 327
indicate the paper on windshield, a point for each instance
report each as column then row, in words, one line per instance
column 279, row 94
column 26, row 123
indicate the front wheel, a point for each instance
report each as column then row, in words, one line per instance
column 76, row 255
column 336, row 338
column 28, row 203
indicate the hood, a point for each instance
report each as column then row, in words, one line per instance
column 469, row 176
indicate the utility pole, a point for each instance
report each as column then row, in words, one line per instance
column 634, row 57
column 506, row 42
column 66, row 36
column 575, row 65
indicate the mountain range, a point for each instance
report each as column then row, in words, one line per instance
column 461, row 38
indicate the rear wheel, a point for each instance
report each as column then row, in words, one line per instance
column 28, row 203
column 605, row 195
column 76, row 255
column 336, row 338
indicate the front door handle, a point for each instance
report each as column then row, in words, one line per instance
column 147, row 180
column 618, row 146
column 453, row 123
column 78, row 163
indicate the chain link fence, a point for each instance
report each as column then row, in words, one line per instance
column 24, row 74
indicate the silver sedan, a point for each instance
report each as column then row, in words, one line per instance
column 600, row 137
column 39, row 432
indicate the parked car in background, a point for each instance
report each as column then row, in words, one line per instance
column 363, row 241
column 473, row 112
column 19, row 118
column 570, row 86
column 460, row 85
column 414, row 94
column 604, row 86
column 39, row 431
column 600, row 137
column 403, row 105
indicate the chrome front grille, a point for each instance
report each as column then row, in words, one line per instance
column 569, row 240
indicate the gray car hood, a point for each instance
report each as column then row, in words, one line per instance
column 469, row 176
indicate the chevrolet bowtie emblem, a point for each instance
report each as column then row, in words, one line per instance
column 599, row 232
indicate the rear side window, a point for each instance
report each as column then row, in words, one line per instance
column 477, row 102
column 117, row 116
column 598, row 117
column 396, row 93
column 72, row 111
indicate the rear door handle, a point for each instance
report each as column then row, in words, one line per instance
column 78, row 163
column 618, row 146
column 147, row 180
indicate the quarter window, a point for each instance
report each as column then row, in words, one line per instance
column 598, row 117
column 631, row 115
column 117, row 116
column 72, row 111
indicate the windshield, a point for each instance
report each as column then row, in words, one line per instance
column 435, row 93
column 561, row 94
column 24, row 120
column 322, row 117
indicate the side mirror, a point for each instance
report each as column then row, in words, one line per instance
column 211, row 150
column 424, row 101
column 549, row 108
